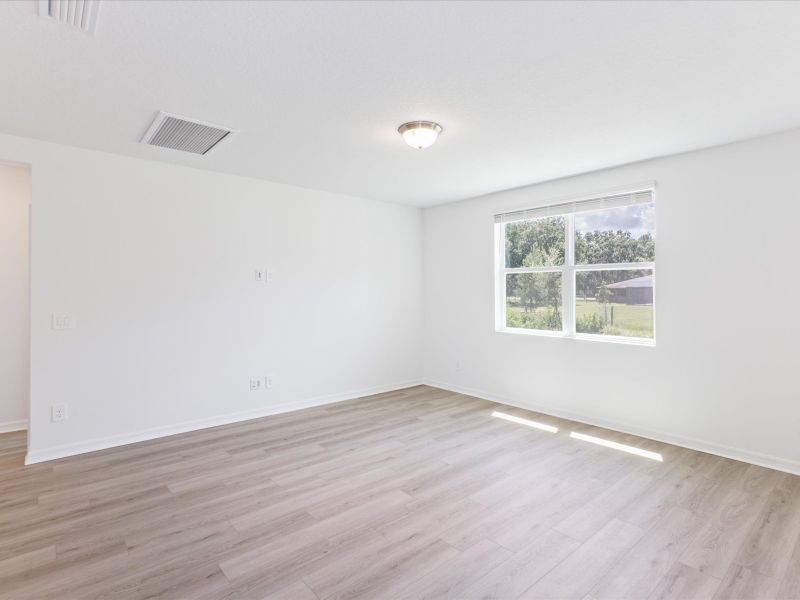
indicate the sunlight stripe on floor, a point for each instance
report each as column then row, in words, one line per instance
column 521, row 421
column 617, row 446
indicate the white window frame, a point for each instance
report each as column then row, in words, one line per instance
column 568, row 286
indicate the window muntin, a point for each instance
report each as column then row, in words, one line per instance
column 598, row 256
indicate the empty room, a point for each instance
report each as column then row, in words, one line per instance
column 399, row 300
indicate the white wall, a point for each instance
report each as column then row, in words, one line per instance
column 15, row 197
column 156, row 263
column 723, row 376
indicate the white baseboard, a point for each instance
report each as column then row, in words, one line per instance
column 19, row 425
column 54, row 452
column 748, row 456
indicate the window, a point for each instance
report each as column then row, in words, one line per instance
column 582, row 269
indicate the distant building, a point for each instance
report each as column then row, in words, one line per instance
column 638, row 290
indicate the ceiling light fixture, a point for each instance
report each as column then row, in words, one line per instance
column 420, row 134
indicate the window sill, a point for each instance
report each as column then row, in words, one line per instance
column 588, row 337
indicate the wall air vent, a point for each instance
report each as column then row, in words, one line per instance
column 179, row 133
column 77, row 13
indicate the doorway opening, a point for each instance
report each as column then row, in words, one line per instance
column 15, row 204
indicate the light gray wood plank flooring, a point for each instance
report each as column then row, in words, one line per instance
column 419, row 493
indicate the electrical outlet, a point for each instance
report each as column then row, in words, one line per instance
column 458, row 366
column 270, row 275
column 58, row 413
column 255, row 385
column 268, row 381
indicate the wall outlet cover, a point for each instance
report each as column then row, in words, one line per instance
column 58, row 413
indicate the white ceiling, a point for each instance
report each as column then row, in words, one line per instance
column 525, row 91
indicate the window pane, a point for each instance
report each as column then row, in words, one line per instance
column 533, row 301
column 536, row 243
column 614, row 302
column 615, row 235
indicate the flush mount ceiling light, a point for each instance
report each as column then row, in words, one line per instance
column 420, row 134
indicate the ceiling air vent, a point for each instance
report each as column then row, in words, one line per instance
column 178, row 133
column 77, row 13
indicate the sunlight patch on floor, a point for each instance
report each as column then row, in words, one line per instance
column 521, row 421
column 617, row 446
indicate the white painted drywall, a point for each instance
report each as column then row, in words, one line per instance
column 723, row 376
column 155, row 263
column 15, row 197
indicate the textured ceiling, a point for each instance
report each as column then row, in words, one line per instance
column 525, row 91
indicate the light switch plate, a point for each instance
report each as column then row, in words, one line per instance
column 259, row 275
column 62, row 321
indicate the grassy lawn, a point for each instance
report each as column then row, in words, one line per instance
column 539, row 318
column 631, row 320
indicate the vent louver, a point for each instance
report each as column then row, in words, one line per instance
column 179, row 133
column 77, row 13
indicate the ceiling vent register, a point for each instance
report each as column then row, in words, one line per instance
column 179, row 133
column 76, row 13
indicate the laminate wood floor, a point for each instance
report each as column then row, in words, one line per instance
column 419, row 493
